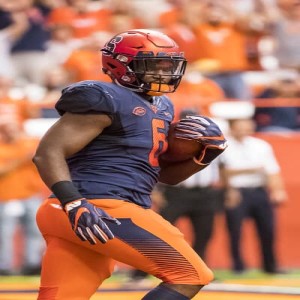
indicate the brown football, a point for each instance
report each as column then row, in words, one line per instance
column 180, row 149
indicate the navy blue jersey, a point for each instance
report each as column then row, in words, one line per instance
column 122, row 162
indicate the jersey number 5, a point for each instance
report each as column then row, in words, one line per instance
column 159, row 141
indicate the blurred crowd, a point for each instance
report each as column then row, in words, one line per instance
column 237, row 50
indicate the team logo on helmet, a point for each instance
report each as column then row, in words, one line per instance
column 111, row 45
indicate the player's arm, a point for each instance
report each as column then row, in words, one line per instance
column 68, row 135
column 71, row 133
column 175, row 172
column 202, row 130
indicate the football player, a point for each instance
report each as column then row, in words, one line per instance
column 101, row 161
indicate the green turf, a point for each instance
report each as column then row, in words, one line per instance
column 255, row 274
column 220, row 275
column 24, row 279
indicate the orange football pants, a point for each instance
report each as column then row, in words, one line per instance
column 73, row 269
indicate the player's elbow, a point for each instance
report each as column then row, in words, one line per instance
column 37, row 159
column 41, row 158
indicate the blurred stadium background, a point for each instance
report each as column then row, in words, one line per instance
column 48, row 44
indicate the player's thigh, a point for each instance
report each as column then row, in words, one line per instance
column 144, row 240
column 148, row 242
column 68, row 263
column 71, row 272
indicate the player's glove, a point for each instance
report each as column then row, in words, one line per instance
column 204, row 131
column 89, row 221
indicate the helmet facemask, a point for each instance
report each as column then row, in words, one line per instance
column 158, row 75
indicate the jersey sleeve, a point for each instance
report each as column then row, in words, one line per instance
column 86, row 98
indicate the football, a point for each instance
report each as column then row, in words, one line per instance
column 180, row 149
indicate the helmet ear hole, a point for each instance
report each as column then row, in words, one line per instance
column 112, row 66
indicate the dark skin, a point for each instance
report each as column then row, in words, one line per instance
column 66, row 137
column 70, row 134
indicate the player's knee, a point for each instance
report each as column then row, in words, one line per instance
column 206, row 276
column 202, row 276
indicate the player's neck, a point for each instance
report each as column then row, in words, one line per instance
column 147, row 97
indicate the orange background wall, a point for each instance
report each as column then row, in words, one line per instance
column 287, row 150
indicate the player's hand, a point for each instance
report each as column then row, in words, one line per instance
column 89, row 221
column 204, row 131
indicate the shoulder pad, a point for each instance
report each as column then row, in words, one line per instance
column 86, row 97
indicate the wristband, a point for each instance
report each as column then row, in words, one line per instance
column 65, row 191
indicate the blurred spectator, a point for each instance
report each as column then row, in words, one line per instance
column 150, row 10
column 254, row 13
column 253, row 188
column 83, row 63
column 27, row 51
column 285, row 31
column 56, row 79
column 279, row 107
column 179, row 23
column 61, row 44
column 48, row 5
column 12, row 26
column 20, row 196
column 173, row 13
column 83, row 16
column 196, row 92
column 13, row 108
column 124, row 16
column 222, row 41
column 245, row 28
